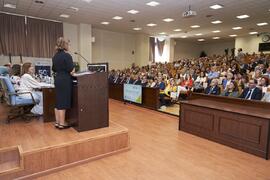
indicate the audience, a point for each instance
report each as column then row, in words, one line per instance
column 216, row 75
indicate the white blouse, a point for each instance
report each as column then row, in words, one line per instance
column 28, row 83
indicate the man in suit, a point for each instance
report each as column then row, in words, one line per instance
column 213, row 89
column 252, row 92
column 137, row 80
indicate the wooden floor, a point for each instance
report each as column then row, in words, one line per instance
column 172, row 109
column 160, row 151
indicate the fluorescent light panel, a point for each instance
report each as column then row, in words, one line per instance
column 168, row 20
column 243, row 16
column 199, row 34
column 201, row 40
column 216, row 38
column 262, row 24
column 237, row 28
column 195, row 26
column 252, row 33
column 12, row 6
column 137, row 29
column 151, row 24
column 216, row 6
column 177, row 30
column 183, row 37
column 216, row 31
column 133, row 11
column 153, row 3
column 105, row 23
column 117, row 17
column 64, row 15
column 216, row 22
column 233, row 35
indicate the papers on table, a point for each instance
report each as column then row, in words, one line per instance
column 46, row 85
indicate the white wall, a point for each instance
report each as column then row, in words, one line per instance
column 217, row 48
column 113, row 47
column 249, row 44
column 142, row 49
column 185, row 49
column 71, row 33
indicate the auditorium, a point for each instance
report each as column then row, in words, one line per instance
column 135, row 89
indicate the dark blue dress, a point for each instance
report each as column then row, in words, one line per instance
column 62, row 66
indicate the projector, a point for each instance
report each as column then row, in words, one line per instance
column 189, row 13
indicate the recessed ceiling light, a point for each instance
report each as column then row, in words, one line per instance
column 216, row 22
column 162, row 33
column 64, row 16
column 201, row 40
column 12, row 6
column 74, row 9
column 216, row 31
column 137, row 29
column 88, row 1
column 262, row 24
column 133, row 11
column 195, row 26
column 216, row 6
column 117, row 17
column 199, row 34
column 237, row 28
column 153, row 3
column 177, row 30
column 183, row 37
column 216, row 38
column 151, row 24
column 242, row 16
column 233, row 35
column 251, row 33
column 105, row 23
column 168, row 20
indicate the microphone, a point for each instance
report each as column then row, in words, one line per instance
column 9, row 55
column 82, row 57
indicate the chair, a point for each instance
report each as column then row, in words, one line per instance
column 19, row 106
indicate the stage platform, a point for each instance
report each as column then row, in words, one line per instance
column 28, row 150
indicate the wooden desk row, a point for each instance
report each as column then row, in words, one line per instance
column 241, row 124
column 150, row 96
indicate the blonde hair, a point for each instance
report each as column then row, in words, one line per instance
column 61, row 44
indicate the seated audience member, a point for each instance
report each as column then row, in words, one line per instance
column 162, row 86
column 137, row 80
column 129, row 79
column 123, row 79
column 231, row 90
column 263, row 84
column 29, row 84
column 266, row 96
column 213, row 74
column 15, row 76
column 144, row 81
column 213, row 89
column 170, row 88
column 252, row 92
column 227, row 80
column 198, row 83
column 188, row 82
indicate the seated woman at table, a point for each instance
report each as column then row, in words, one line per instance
column 231, row 90
column 29, row 84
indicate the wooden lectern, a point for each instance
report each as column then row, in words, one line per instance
column 90, row 103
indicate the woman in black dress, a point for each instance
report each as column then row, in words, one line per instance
column 63, row 67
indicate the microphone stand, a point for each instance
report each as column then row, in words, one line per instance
column 82, row 57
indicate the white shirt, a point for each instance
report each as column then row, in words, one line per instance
column 28, row 84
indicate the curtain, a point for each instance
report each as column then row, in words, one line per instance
column 12, row 35
column 152, row 49
column 42, row 36
column 160, row 46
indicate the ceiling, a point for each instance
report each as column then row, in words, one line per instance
column 98, row 11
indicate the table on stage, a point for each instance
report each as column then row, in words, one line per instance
column 90, row 107
column 241, row 124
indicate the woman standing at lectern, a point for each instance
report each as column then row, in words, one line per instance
column 63, row 67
